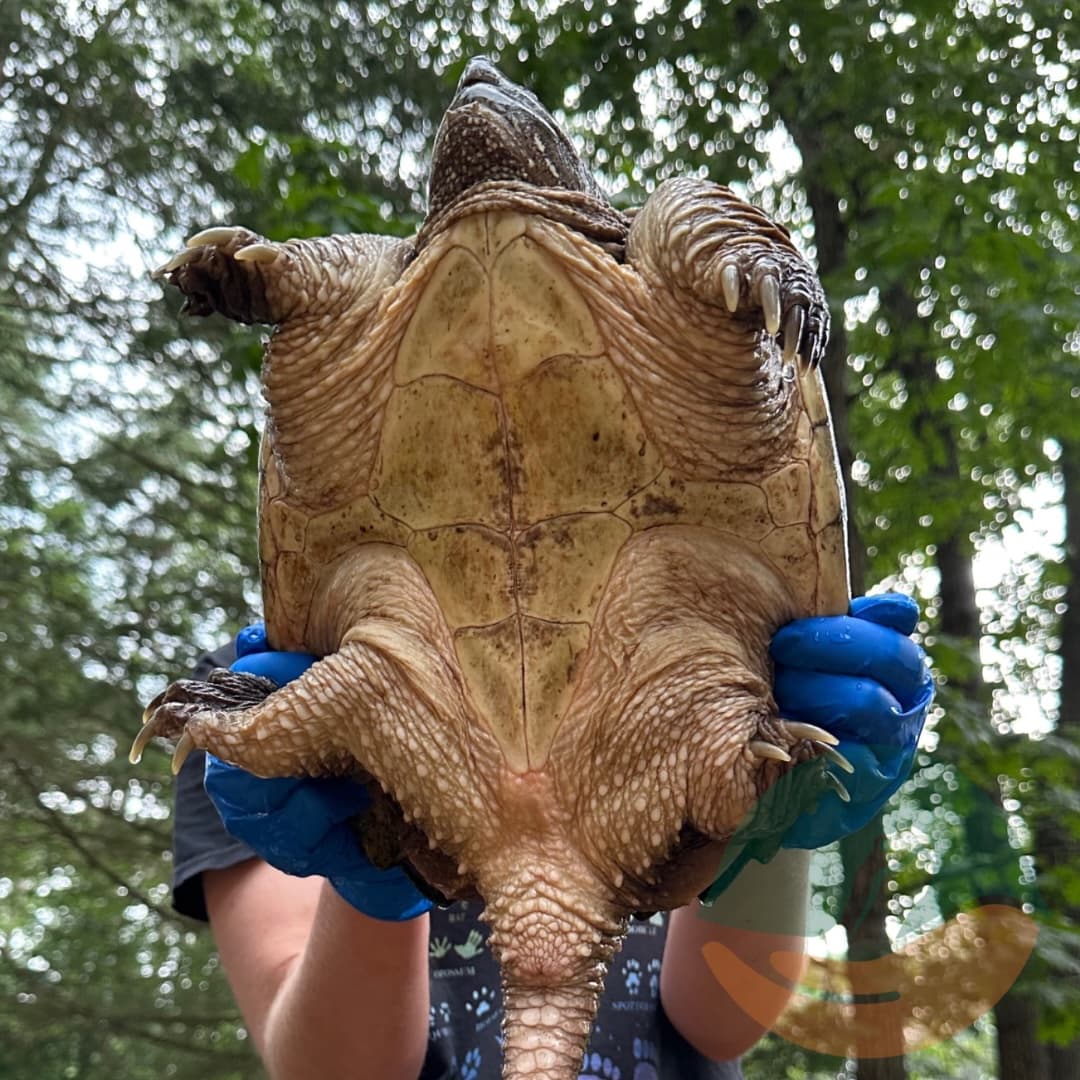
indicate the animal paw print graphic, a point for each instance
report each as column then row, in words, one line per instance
column 472, row 945
column 470, row 1067
column 439, row 1014
column 599, row 1068
column 644, row 1061
column 654, row 977
column 632, row 975
column 481, row 1002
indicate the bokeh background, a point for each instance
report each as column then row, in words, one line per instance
column 924, row 152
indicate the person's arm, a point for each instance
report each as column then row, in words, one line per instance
column 324, row 990
column 763, row 910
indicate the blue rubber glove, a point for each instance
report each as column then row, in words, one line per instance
column 301, row 826
column 862, row 678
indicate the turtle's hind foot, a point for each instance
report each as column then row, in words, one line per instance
column 168, row 714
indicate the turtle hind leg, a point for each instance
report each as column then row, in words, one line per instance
column 247, row 721
column 389, row 707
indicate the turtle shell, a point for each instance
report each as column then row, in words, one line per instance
column 523, row 418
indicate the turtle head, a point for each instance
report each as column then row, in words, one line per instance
column 497, row 130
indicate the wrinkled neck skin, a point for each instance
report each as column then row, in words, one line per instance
column 585, row 213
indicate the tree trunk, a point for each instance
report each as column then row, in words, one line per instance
column 863, row 855
column 866, row 875
column 1020, row 1054
column 1057, row 847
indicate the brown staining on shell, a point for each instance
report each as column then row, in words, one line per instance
column 576, row 451
column 565, row 563
column 441, row 458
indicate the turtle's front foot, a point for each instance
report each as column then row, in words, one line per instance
column 169, row 713
column 727, row 254
column 230, row 271
column 757, row 279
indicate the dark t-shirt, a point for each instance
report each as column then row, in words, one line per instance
column 632, row 1038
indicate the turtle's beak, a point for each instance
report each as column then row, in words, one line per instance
column 482, row 82
column 479, row 71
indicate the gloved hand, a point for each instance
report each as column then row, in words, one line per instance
column 301, row 826
column 862, row 678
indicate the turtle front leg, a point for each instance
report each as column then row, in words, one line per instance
column 234, row 272
column 703, row 241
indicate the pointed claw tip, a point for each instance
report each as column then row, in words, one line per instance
column 140, row 742
column 256, row 253
column 180, row 754
column 770, row 303
column 803, row 730
column 842, row 792
column 166, row 268
column 839, row 760
column 216, row 234
column 729, row 283
column 794, row 323
column 762, row 749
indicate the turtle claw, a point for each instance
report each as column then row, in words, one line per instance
column 769, row 292
column 139, row 745
column 178, row 260
column 222, row 236
column 257, row 253
column 838, row 759
column 800, row 730
column 797, row 324
column 841, row 791
column 731, row 285
column 762, row 749
column 180, row 754
column 162, row 717
column 216, row 235
column 794, row 324
column 224, row 270
column 179, row 703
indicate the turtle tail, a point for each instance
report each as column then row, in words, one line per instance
column 546, row 1031
column 553, row 959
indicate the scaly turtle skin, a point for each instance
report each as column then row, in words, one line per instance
column 539, row 484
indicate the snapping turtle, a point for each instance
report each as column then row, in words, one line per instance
column 539, row 484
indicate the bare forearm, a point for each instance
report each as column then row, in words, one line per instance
column 355, row 1004
column 763, row 912
column 325, row 991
